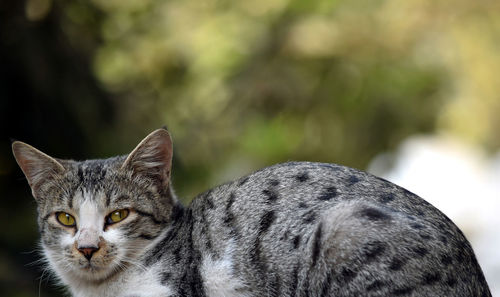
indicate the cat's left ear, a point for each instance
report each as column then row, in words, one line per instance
column 36, row 166
column 152, row 158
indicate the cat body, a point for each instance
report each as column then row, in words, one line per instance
column 114, row 227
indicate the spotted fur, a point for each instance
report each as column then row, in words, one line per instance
column 295, row 229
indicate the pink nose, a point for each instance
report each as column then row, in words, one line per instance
column 88, row 251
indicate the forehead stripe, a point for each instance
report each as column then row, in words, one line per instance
column 119, row 199
column 80, row 173
column 108, row 199
column 70, row 200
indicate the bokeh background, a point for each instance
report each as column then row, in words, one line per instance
column 408, row 90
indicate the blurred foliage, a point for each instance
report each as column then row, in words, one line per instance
column 240, row 84
column 266, row 81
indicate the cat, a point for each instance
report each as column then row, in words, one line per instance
column 114, row 227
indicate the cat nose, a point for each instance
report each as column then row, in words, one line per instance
column 88, row 251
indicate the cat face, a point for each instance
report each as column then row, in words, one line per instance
column 93, row 231
column 95, row 217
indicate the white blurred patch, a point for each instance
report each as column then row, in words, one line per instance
column 460, row 180
column 218, row 277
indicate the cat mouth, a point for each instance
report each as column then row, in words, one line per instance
column 91, row 267
column 93, row 272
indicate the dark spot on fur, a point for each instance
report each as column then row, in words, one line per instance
column 316, row 244
column 442, row 226
column 230, row 201
column 374, row 214
column 228, row 218
column 303, row 205
column 373, row 250
column 296, row 242
column 417, row 226
column 325, row 286
column 451, row 281
column 403, row 291
column 266, row 220
column 328, row 194
column 396, row 264
column 352, row 180
column 420, row 251
column 411, row 218
column 302, row 177
column 271, row 195
column 443, row 239
column 375, row 286
column 309, row 217
column 431, row 278
column 210, row 203
column 385, row 198
column 425, row 236
column 446, row 259
column 347, row 275
column 274, row 182
column 208, row 200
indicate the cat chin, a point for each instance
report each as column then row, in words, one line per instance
column 93, row 274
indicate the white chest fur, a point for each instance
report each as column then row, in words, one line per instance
column 139, row 283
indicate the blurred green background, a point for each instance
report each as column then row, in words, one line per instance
column 240, row 85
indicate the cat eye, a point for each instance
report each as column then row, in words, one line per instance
column 65, row 219
column 117, row 216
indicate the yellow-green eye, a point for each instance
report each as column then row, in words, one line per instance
column 65, row 219
column 116, row 216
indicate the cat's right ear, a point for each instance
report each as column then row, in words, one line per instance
column 152, row 158
column 36, row 166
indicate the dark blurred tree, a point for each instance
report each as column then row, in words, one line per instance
column 50, row 98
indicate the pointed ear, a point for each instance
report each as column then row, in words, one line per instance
column 36, row 166
column 152, row 158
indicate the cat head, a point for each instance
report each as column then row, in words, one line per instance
column 97, row 216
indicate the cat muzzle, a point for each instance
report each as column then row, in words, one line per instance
column 88, row 251
column 88, row 242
